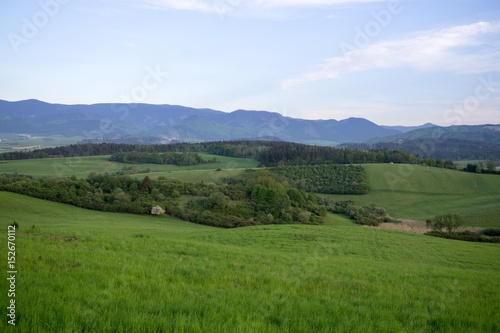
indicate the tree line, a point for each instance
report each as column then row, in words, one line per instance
column 437, row 148
column 268, row 153
column 181, row 159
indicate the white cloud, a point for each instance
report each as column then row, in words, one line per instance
column 458, row 49
column 218, row 6
column 194, row 5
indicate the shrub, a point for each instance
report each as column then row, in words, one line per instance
column 468, row 236
column 157, row 210
column 449, row 221
column 491, row 232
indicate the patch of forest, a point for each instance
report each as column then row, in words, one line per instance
column 256, row 198
column 326, row 178
column 181, row 159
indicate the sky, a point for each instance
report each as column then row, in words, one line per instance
column 401, row 62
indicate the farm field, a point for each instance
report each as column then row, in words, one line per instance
column 82, row 270
column 419, row 192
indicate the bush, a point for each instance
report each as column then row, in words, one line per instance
column 157, row 210
column 491, row 232
column 449, row 221
column 468, row 236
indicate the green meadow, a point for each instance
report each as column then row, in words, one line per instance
column 88, row 271
column 82, row 166
column 419, row 192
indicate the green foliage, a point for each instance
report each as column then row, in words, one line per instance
column 449, row 221
column 328, row 178
column 365, row 215
column 256, row 198
column 181, row 159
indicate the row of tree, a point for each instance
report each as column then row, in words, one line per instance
column 326, row 178
column 181, row 159
column 437, row 148
column 480, row 168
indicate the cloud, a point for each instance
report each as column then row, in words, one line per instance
column 218, row 6
column 459, row 49
column 193, row 5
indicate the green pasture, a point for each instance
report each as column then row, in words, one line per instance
column 88, row 271
column 82, row 166
column 419, row 192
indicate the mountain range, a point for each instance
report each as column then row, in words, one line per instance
column 174, row 123
column 180, row 123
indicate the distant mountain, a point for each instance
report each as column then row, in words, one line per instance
column 479, row 142
column 177, row 123
column 479, row 133
column 405, row 129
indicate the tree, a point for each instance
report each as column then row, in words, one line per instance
column 491, row 166
column 147, row 185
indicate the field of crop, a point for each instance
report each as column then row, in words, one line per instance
column 81, row 270
column 419, row 192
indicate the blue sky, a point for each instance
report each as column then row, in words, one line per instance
column 392, row 62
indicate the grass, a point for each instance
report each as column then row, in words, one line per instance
column 83, row 270
column 418, row 192
column 82, row 166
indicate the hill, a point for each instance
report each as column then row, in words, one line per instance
column 107, row 272
column 478, row 133
column 419, row 192
column 479, row 142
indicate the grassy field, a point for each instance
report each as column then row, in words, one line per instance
column 88, row 271
column 406, row 191
column 82, row 166
column 8, row 141
column 418, row 192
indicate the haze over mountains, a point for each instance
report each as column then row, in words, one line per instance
column 180, row 123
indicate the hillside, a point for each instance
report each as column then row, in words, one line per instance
column 418, row 192
column 478, row 142
column 478, row 133
column 104, row 271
